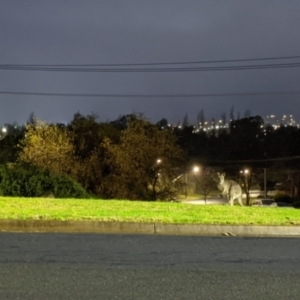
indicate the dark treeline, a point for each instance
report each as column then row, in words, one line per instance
column 133, row 158
column 246, row 139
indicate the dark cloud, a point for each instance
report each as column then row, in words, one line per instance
column 95, row 32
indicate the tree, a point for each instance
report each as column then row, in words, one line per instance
column 162, row 124
column 185, row 122
column 231, row 114
column 223, row 118
column 250, row 126
column 8, row 149
column 205, row 182
column 122, row 122
column 32, row 119
column 246, row 138
column 200, row 119
column 47, row 145
column 247, row 113
column 88, row 135
column 246, row 182
column 140, row 166
column 282, row 142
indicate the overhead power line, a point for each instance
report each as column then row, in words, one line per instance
column 154, row 63
column 148, row 95
column 257, row 160
column 150, row 70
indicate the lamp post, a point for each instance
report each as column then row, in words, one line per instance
column 156, row 170
column 265, row 182
column 3, row 132
column 246, row 175
column 186, row 181
column 265, row 176
column 195, row 170
column 206, row 183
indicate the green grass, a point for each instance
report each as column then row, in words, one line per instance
column 141, row 211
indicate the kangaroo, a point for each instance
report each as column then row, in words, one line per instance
column 231, row 189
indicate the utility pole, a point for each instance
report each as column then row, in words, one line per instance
column 265, row 176
column 265, row 182
column 186, row 183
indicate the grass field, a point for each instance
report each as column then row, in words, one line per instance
column 141, row 211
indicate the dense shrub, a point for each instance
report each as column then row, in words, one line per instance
column 25, row 180
column 65, row 187
column 283, row 198
column 296, row 205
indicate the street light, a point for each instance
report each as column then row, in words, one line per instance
column 184, row 175
column 196, row 169
column 158, row 162
column 244, row 172
column 247, row 183
column 3, row 133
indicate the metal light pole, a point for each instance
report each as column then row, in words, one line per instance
column 246, row 175
column 265, row 182
column 186, row 187
column 265, row 176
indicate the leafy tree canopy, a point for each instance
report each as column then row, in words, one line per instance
column 47, row 145
column 144, row 153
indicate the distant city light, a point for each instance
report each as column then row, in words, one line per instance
column 216, row 127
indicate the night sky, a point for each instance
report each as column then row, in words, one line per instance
column 76, row 32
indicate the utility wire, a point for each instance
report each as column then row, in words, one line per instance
column 148, row 95
column 153, row 64
column 256, row 160
column 149, row 70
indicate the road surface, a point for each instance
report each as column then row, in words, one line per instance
column 97, row 266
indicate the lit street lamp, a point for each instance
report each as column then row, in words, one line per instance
column 3, row 132
column 246, row 178
column 244, row 172
column 196, row 169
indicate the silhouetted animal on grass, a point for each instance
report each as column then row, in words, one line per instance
column 231, row 189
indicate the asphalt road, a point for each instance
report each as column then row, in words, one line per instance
column 91, row 266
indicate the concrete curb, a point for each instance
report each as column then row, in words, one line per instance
column 228, row 230
column 146, row 228
column 75, row 226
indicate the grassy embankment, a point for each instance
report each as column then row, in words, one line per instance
column 141, row 211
